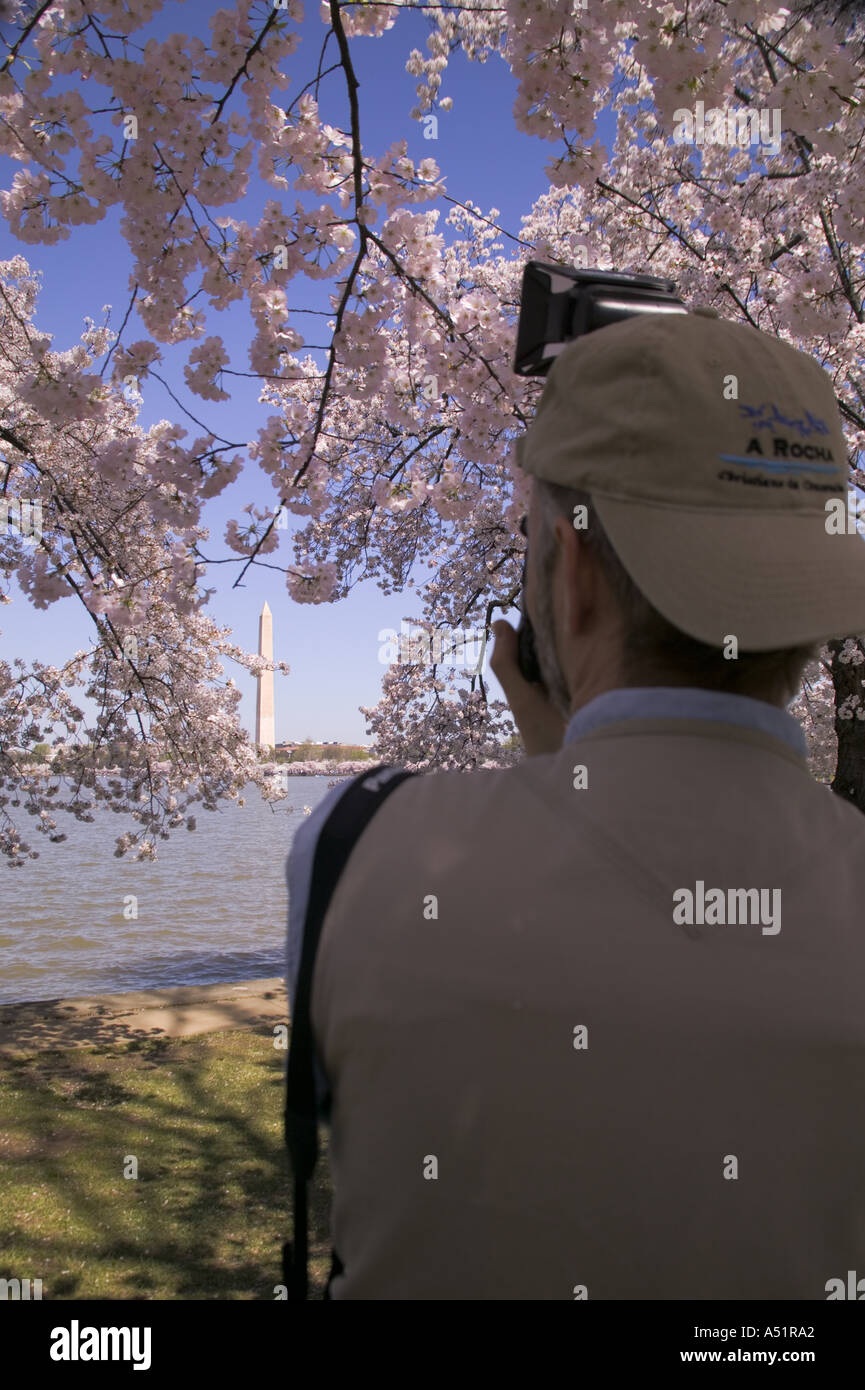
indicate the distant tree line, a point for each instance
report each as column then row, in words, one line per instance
column 323, row 752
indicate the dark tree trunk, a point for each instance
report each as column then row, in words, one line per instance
column 849, row 780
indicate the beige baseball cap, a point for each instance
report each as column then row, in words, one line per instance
column 710, row 450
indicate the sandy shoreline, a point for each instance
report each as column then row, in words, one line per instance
column 176, row 1013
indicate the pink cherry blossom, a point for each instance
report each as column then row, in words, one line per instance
column 394, row 450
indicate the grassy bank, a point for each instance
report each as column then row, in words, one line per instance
column 207, row 1214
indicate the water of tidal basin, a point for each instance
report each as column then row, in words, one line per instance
column 212, row 907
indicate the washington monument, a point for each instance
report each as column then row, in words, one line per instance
column 265, row 736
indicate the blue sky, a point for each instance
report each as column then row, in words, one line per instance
column 332, row 648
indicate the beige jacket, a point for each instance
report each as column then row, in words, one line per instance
column 544, row 1087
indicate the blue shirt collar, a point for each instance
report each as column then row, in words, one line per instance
column 686, row 702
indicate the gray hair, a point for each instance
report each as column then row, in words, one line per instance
column 654, row 651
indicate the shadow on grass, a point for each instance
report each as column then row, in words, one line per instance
column 201, row 1120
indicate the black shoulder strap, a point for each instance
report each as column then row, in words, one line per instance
column 336, row 840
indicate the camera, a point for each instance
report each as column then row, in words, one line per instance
column 557, row 305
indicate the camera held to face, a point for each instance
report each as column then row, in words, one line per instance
column 557, row 305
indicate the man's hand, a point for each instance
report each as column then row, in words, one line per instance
column 541, row 726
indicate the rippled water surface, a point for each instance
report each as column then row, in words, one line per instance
column 212, row 907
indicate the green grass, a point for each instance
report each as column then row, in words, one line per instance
column 210, row 1208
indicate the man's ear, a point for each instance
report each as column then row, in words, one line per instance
column 580, row 569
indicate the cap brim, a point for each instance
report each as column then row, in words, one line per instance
column 770, row 580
